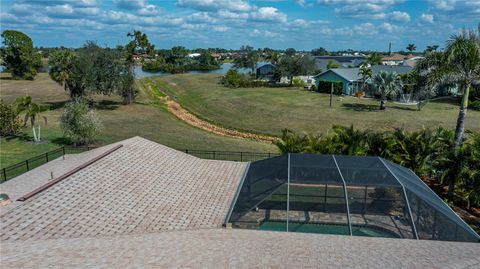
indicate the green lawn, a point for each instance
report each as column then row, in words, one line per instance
column 269, row 110
column 146, row 118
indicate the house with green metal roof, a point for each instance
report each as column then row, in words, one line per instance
column 351, row 80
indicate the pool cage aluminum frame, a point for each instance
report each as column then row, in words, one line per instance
column 388, row 166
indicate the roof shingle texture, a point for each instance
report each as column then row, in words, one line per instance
column 222, row 248
column 142, row 187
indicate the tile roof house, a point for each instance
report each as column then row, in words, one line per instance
column 321, row 62
column 139, row 204
column 395, row 59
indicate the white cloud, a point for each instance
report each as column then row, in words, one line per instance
column 232, row 15
column 301, row 2
column 214, row 5
column 390, row 28
column 220, row 28
column 428, row 18
column 268, row 14
column 60, row 9
column 201, row 17
column 264, row 33
column 400, row 16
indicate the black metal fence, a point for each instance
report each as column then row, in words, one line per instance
column 29, row 164
column 239, row 156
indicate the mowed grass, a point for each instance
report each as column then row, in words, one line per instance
column 146, row 118
column 269, row 110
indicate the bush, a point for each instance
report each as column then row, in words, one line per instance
column 299, row 83
column 325, row 87
column 79, row 122
column 9, row 123
column 475, row 105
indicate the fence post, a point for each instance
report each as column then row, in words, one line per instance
column 241, row 156
column 186, row 151
column 214, row 155
column 63, row 150
column 46, row 156
column 4, row 174
column 28, row 168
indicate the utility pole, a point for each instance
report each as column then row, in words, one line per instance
column 331, row 94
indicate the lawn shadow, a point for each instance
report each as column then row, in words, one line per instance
column 6, row 78
column 407, row 107
column 360, row 107
column 62, row 141
column 107, row 105
column 56, row 105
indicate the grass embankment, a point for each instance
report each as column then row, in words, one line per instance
column 146, row 118
column 269, row 110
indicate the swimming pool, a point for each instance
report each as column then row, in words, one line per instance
column 303, row 227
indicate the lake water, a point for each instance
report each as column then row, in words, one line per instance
column 139, row 73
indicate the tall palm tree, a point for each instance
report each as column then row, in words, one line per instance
column 460, row 65
column 411, row 47
column 366, row 73
column 374, row 58
column 386, row 83
column 61, row 67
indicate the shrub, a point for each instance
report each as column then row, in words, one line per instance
column 475, row 105
column 325, row 87
column 9, row 123
column 79, row 122
column 299, row 83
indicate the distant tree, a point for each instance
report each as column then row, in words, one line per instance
column 92, row 69
column 61, row 64
column 296, row 65
column 273, row 57
column 138, row 44
column 248, row 58
column 319, row 52
column 366, row 73
column 386, row 83
column 290, row 52
column 79, row 122
column 411, row 47
column 432, row 48
column 19, row 56
column 331, row 64
column 374, row 58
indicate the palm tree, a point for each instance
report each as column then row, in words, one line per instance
column 411, row 47
column 374, row 58
column 366, row 73
column 460, row 65
column 61, row 67
column 386, row 83
column 432, row 48
column 32, row 111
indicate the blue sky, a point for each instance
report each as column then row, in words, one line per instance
column 301, row 24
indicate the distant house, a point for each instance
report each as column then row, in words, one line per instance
column 265, row 72
column 321, row 62
column 412, row 61
column 350, row 79
column 395, row 59
column 193, row 55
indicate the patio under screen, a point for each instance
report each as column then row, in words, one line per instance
column 364, row 196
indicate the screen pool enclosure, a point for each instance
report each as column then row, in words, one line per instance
column 348, row 195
